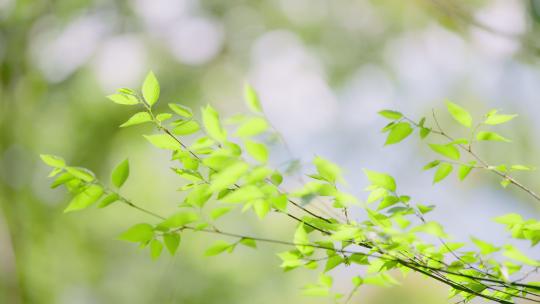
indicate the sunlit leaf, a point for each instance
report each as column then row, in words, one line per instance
column 86, row 198
column 150, row 89
column 140, row 233
column 251, row 98
column 442, row 172
column 459, row 114
column 120, row 173
column 181, row 110
column 399, row 132
column 491, row 136
column 448, row 150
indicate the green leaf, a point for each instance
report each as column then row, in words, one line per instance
column 432, row 228
column 442, row 172
column 124, row 99
column 81, row 173
column 53, row 160
column 485, row 248
column 509, row 219
column 393, row 115
column 150, row 89
column 424, row 132
column 314, row 290
column 86, row 198
column 432, row 165
column 172, row 241
column 163, row 141
column 491, row 136
column 521, row 168
column 199, row 196
column 243, row 194
column 217, row 248
column 248, row 242
column 155, row 249
column 333, row 262
column 515, row 254
column 180, row 219
column 261, row 208
column 228, row 176
column 109, row 199
column 253, row 126
column 140, row 233
column 388, row 201
column 425, row 209
column 464, row 170
column 346, row 233
column 62, row 179
column 181, row 110
column 219, row 212
column 251, row 98
column 357, row 281
column 190, row 175
column 328, row 170
column 163, row 116
column 459, row 114
column 212, row 125
column 381, row 180
column 279, row 202
column 399, row 132
column 448, row 150
column 495, row 119
column 137, row 118
column 257, row 150
column 120, row 173
column 186, row 128
column 301, row 239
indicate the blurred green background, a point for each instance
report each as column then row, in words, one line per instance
column 323, row 69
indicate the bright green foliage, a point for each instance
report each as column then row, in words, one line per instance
column 485, row 247
column 124, row 99
column 109, row 199
column 253, row 126
column 465, row 169
column 491, row 136
column 140, row 233
column 137, row 119
column 252, row 100
column 172, row 241
column 219, row 212
column 398, row 132
column 155, row 249
column 163, row 141
column 381, row 180
column 85, row 198
column 150, row 89
column 257, row 150
column 327, row 170
column 179, row 219
column 442, row 172
column 515, row 254
column 221, row 173
column 459, row 114
column 53, row 161
column 120, row 173
column 186, row 127
column 492, row 118
column 448, row 150
column 212, row 124
column 181, row 110
column 392, row 115
column 218, row 247
column 301, row 239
